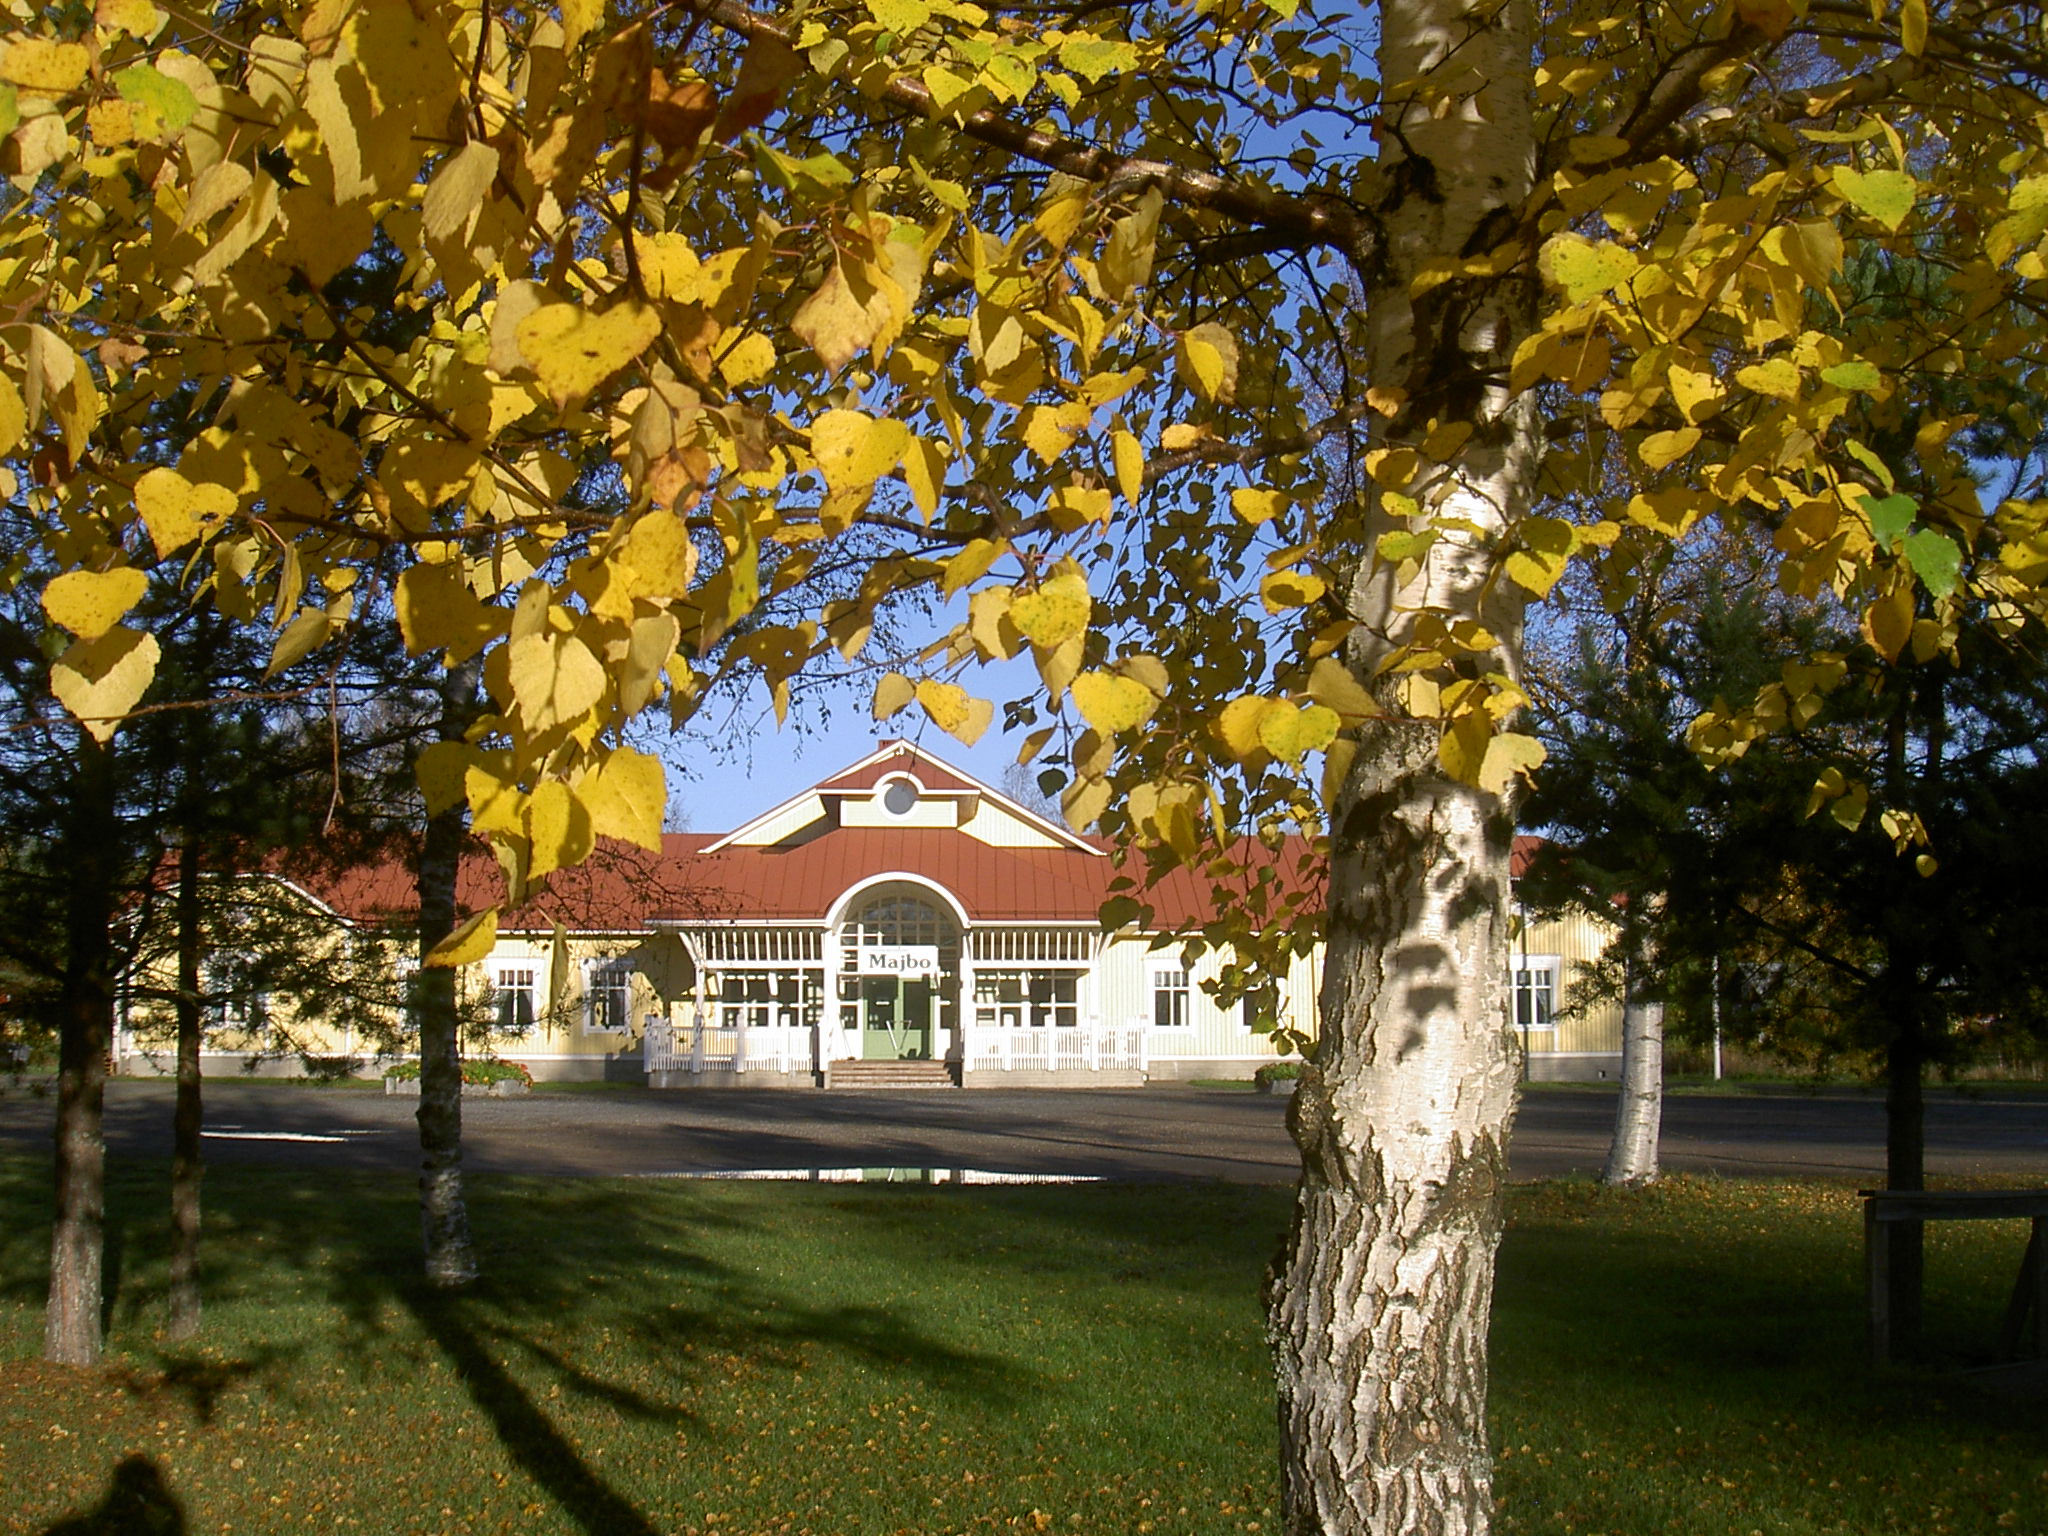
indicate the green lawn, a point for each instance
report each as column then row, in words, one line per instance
column 686, row 1358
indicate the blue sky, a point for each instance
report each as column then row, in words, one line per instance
column 734, row 763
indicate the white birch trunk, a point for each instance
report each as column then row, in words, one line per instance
column 1639, row 1115
column 1380, row 1306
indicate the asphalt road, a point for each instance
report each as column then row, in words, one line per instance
column 1153, row 1133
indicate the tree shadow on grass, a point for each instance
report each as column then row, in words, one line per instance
column 528, row 1434
column 138, row 1503
column 303, row 1280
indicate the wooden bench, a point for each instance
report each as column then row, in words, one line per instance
column 1885, row 1207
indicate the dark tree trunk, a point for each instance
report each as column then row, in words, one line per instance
column 444, row 1215
column 71, row 1325
column 186, row 1166
column 1905, row 1168
column 1905, row 1065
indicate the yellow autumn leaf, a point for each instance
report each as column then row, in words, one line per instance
column 13, row 416
column 627, row 797
column 1777, row 377
column 893, row 694
column 89, row 603
column 1129, row 456
column 924, row 471
column 1290, row 589
column 573, row 350
column 1583, row 269
column 457, row 190
column 175, row 511
column 1237, row 725
column 554, row 679
column 437, row 611
column 469, row 943
column 1331, row 683
column 854, row 450
column 1049, row 430
column 1886, row 197
column 657, row 558
column 1662, row 448
column 1508, row 755
column 653, row 642
column 834, row 323
column 1696, row 392
column 1255, row 504
column 442, row 770
column 100, row 680
column 1205, row 356
column 45, row 67
column 1110, row 703
column 139, row 18
column 1290, row 732
column 743, row 362
column 1055, row 613
column 558, row 831
column 954, row 711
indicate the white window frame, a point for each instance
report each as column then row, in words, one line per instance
column 407, row 970
column 512, row 979
column 1027, row 997
column 233, row 1005
column 608, row 997
column 1534, row 980
column 1171, row 995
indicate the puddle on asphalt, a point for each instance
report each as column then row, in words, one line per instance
column 879, row 1175
column 237, row 1133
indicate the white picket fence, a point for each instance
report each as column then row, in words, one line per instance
column 698, row 1047
column 1049, row 1048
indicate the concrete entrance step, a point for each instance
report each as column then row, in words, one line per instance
column 888, row 1074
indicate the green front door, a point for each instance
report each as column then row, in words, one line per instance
column 895, row 1018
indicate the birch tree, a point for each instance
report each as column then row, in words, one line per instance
column 1045, row 313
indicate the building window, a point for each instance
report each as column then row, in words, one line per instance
column 515, row 991
column 1027, row 999
column 1535, row 979
column 756, row 999
column 1169, row 999
column 407, row 968
column 608, row 997
column 235, row 1003
column 899, row 796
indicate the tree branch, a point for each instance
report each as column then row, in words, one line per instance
column 1306, row 223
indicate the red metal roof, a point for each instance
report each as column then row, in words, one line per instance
column 626, row 889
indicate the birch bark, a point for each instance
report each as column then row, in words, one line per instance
column 1639, row 1113
column 1380, row 1305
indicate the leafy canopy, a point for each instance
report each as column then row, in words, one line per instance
column 1050, row 314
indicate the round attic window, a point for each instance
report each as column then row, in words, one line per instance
column 899, row 797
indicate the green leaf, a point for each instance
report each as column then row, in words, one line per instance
column 900, row 16
column 1583, row 269
column 1936, row 560
column 171, row 100
column 1886, row 197
column 1854, row 374
column 1890, row 517
column 1093, row 57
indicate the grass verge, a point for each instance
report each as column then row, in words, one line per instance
column 685, row 1358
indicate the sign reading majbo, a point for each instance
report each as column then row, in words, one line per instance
column 898, row 960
